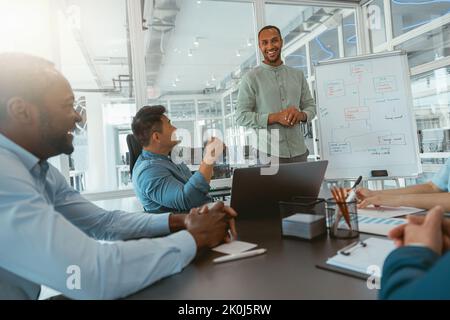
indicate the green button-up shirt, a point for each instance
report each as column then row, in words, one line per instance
column 267, row 89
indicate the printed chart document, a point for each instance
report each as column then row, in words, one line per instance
column 234, row 247
column 380, row 226
column 375, row 225
column 388, row 212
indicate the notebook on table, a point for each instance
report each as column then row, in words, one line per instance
column 361, row 259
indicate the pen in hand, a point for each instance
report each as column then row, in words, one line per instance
column 352, row 195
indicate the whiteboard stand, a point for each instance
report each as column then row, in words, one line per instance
column 371, row 183
column 379, row 184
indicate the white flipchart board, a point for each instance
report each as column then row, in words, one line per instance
column 365, row 120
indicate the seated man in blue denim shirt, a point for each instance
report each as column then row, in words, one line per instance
column 160, row 184
column 419, row 269
column 48, row 231
column 425, row 195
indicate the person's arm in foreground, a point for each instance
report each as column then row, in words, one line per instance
column 424, row 196
column 44, row 246
column 416, row 270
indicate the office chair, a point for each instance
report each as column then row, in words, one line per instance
column 135, row 150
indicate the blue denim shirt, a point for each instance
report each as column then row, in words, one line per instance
column 162, row 185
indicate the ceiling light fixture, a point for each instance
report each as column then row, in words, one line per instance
column 190, row 54
column 213, row 78
column 238, row 53
column 177, row 79
column 249, row 43
column 174, row 84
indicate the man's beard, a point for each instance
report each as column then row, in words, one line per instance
column 58, row 142
column 277, row 58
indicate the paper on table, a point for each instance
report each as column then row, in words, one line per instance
column 378, row 225
column 388, row 212
column 234, row 247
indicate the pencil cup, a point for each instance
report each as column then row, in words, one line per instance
column 342, row 219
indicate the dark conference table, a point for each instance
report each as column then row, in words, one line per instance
column 287, row 271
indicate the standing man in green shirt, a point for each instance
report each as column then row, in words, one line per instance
column 275, row 96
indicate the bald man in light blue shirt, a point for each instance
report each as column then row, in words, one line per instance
column 48, row 226
column 48, row 231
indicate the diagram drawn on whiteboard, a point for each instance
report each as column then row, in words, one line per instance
column 352, row 129
column 365, row 119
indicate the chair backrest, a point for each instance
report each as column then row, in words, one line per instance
column 135, row 150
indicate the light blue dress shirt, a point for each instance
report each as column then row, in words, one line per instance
column 46, row 227
column 441, row 179
column 161, row 185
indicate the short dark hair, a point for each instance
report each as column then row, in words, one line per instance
column 146, row 121
column 25, row 76
column 269, row 27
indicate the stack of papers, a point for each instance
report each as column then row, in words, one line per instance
column 306, row 226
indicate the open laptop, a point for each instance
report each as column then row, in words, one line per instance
column 256, row 195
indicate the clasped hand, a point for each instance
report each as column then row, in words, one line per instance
column 212, row 226
column 431, row 231
column 291, row 116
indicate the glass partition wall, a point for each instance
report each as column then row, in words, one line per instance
column 187, row 55
column 421, row 29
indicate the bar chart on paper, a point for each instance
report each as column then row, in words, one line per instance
column 375, row 225
column 380, row 226
column 388, row 212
